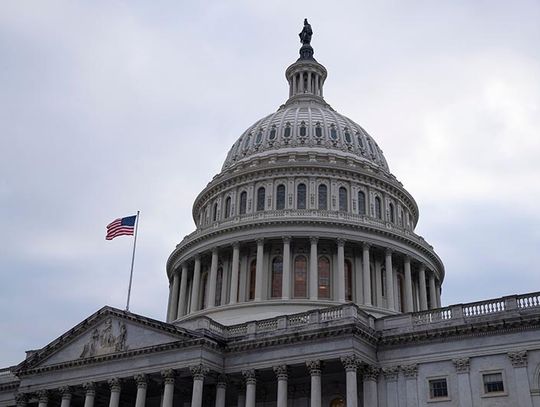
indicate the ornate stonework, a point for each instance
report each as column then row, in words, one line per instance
column 168, row 376
column 462, row 365
column 249, row 376
column 370, row 372
column 141, row 381
column 104, row 341
column 90, row 388
column 519, row 358
column 350, row 363
column 281, row 372
column 390, row 373
column 198, row 371
column 314, row 367
column 410, row 371
column 115, row 384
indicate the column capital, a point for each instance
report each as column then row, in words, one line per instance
column 140, row 379
column 370, row 372
column 314, row 367
column 197, row 257
column 281, row 372
column 388, row 251
column 114, row 384
column 43, row 396
column 90, row 388
column 236, row 244
column 215, row 251
column 340, row 242
column 518, row 358
column 390, row 373
column 366, row 245
column 66, row 392
column 313, row 239
column 422, row 266
column 198, row 371
column 350, row 363
column 168, row 376
column 21, row 399
column 260, row 241
column 287, row 239
column 406, row 258
column 222, row 381
column 462, row 365
column 410, row 371
column 249, row 376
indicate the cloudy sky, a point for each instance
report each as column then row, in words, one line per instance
column 109, row 107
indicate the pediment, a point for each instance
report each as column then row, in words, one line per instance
column 107, row 332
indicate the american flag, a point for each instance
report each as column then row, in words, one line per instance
column 121, row 227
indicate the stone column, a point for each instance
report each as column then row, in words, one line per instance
column 309, row 82
column 168, row 387
column 391, row 377
column 182, row 297
column 366, row 274
column 519, row 362
column 140, row 400
column 286, row 285
column 198, row 372
column 251, row 381
column 221, row 390
column 369, row 376
column 282, row 377
column 464, row 382
column 313, row 270
column 43, row 398
column 432, row 294
column 422, row 285
column 341, row 269
column 408, row 285
column 259, row 270
column 389, row 281
column 195, row 284
column 90, row 394
column 173, row 311
column 438, row 294
column 411, row 372
column 235, row 269
column 212, row 281
column 350, row 363
column 114, row 385
column 66, row 396
column 314, row 368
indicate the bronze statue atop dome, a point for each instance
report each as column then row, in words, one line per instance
column 307, row 32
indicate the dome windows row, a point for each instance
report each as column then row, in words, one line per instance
column 298, row 196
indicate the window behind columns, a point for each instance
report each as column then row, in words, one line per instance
column 280, row 197
column 348, row 280
column 378, row 208
column 228, row 207
column 324, row 277
column 301, row 196
column 219, row 284
column 300, row 277
column 261, row 193
column 214, row 215
column 392, row 212
column 361, row 203
column 243, row 203
column 323, row 197
column 343, row 204
column 252, row 279
column 277, row 275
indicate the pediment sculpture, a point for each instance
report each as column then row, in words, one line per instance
column 104, row 340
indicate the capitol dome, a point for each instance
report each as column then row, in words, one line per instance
column 304, row 215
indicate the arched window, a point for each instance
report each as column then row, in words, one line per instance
column 280, row 197
column 392, row 212
column 214, row 216
column 361, row 203
column 348, row 281
column 324, row 277
column 333, row 133
column 343, row 204
column 243, row 203
column 252, row 279
column 260, row 198
column 227, row 207
column 301, row 196
column 219, row 284
column 277, row 277
column 300, row 277
column 204, row 284
column 378, row 209
column 323, row 197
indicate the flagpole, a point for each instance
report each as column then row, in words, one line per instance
column 132, row 260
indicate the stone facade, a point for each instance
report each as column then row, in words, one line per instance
column 303, row 284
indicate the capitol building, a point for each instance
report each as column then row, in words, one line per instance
column 303, row 284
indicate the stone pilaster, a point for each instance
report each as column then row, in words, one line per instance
column 411, row 373
column 286, row 282
column 366, row 275
column 462, row 366
column 341, row 269
column 313, row 270
column 221, row 390
column 370, row 374
column 519, row 362
column 391, row 374
column 259, row 270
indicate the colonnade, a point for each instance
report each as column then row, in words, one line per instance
column 245, row 387
column 366, row 274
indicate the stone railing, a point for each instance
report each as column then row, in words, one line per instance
column 463, row 313
column 343, row 313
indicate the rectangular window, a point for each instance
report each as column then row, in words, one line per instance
column 438, row 388
column 493, row 383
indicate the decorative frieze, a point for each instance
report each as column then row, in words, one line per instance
column 249, row 376
column 281, row 372
column 462, row 365
column 410, row 371
column 314, row 367
column 518, row 358
column 390, row 373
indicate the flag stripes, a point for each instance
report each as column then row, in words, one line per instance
column 121, row 227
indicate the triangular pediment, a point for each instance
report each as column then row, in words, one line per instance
column 108, row 331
